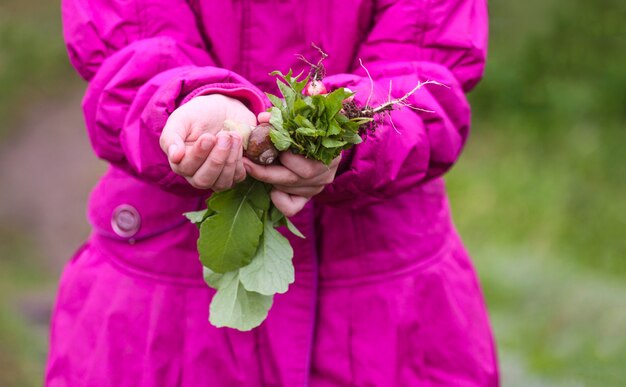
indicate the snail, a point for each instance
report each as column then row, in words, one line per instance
column 256, row 141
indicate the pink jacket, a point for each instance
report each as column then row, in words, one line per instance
column 385, row 294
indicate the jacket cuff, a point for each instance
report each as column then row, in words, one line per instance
column 253, row 101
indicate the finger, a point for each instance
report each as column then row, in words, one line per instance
column 264, row 117
column 240, row 171
column 307, row 168
column 227, row 177
column 272, row 174
column 195, row 155
column 172, row 138
column 289, row 205
column 307, row 192
column 212, row 167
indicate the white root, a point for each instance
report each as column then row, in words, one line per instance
column 369, row 97
column 241, row 128
column 402, row 101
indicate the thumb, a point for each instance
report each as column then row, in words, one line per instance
column 264, row 117
column 172, row 140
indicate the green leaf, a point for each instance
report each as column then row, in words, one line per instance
column 271, row 270
column 278, row 219
column 310, row 132
column 198, row 216
column 299, row 86
column 277, row 102
column 332, row 143
column 334, row 102
column 361, row 120
column 333, row 128
column 300, row 106
column 352, row 138
column 212, row 278
column 351, row 125
column 259, row 195
column 288, row 94
column 280, row 138
column 292, row 227
column 278, row 134
column 275, row 215
column 235, row 307
column 229, row 239
column 341, row 119
column 303, row 121
column 326, row 155
column 276, row 118
column 311, row 148
column 319, row 104
column 278, row 73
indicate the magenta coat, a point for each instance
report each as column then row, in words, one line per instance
column 385, row 294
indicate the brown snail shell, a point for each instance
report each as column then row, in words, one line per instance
column 260, row 148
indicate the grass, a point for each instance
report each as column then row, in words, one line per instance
column 33, row 62
column 24, row 281
column 539, row 192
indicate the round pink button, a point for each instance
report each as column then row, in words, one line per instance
column 125, row 220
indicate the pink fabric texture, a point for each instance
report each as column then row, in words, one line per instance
column 385, row 294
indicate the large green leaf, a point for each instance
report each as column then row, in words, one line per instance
column 259, row 196
column 271, row 270
column 229, row 239
column 212, row 278
column 233, row 306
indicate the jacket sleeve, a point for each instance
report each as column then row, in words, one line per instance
column 412, row 41
column 142, row 60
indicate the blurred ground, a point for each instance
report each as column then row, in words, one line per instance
column 41, row 224
column 48, row 154
column 538, row 195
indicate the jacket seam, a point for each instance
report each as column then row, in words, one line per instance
column 443, row 253
column 424, row 28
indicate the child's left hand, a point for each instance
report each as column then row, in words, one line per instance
column 295, row 182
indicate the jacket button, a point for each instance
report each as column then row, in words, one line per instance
column 125, row 221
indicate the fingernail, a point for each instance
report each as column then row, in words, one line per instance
column 223, row 141
column 171, row 150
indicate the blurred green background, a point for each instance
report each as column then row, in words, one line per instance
column 539, row 194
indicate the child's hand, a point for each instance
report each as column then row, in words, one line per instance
column 196, row 147
column 295, row 181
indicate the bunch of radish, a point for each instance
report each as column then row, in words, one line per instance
column 246, row 260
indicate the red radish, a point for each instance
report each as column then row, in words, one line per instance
column 314, row 88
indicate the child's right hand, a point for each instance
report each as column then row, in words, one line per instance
column 198, row 149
